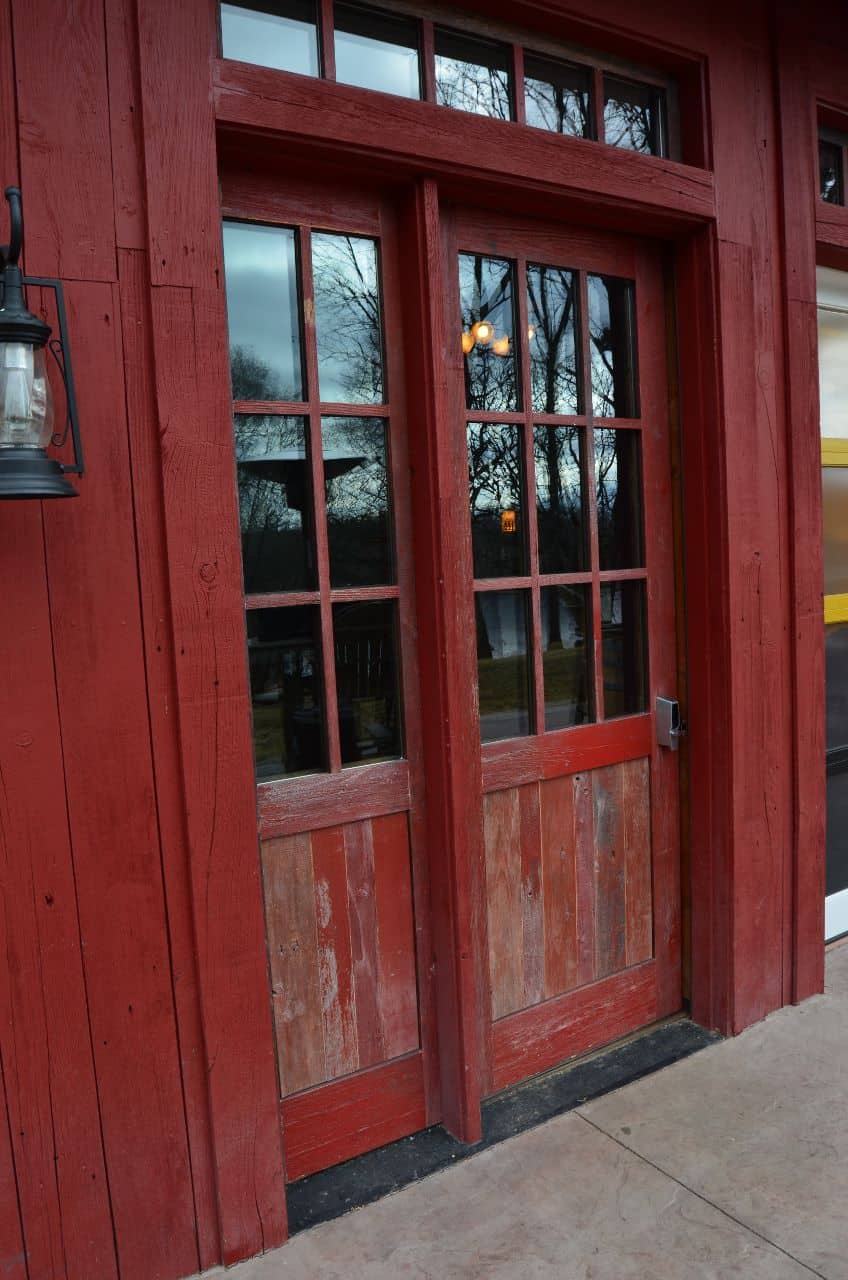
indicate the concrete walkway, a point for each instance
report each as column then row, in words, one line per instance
column 733, row 1162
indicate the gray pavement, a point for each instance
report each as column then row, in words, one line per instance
column 733, row 1162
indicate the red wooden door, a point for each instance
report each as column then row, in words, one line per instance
column 318, row 385
column 560, row 381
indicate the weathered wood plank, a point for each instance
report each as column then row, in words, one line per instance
column 584, row 843
column 609, row 871
column 501, row 822
column 532, row 906
column 335, row 972
column 396, row 979
column 559, row 885
column 636, row 819
column 359, row 854
column 293, row 950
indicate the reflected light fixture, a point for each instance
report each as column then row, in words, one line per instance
column 500, row 346
column 26, row 399
column 467, row 342
column 483, row 331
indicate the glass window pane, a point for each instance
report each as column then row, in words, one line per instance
column 618, row 486
column 634, row 116
column 551, row 328
column 835, row 503
column 830, row 172
column 472, row 74
column 837, row 832
column 356, row 489
column 275, row 503
column 503, row 668
column 624, row 648
column 560, row 499
column 496, row 499
column 832, row 289
column 367, row 681
column 557, row 96
column 284, row 656
column 612, row 334
column 377, row 50
column 260, row 266
column 836, row 684
column 274, row 33
column 487, row 301
column 348, row 321
column 566, row 656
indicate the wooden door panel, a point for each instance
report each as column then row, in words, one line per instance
column 342, row 949
column 568, row 878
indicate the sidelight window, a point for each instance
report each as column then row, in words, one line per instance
column 312, row 423
column 555, row 495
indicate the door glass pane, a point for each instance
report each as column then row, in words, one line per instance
column 612, row 347
column 495, row 489
column 836, row 878
column 835, row 512
column 274, row 33
column 284, row 656
column 836, row 684
column 624, row 648
column 560, row 504
column 566, row 650
column 556, row 96
column 503, row 669
column 367, row 681
column 830, row 172
column 472, row 74
column 633, row 116
column 348, row 322
column 377, row 50
column 551, row 309
column 487, row 298
column 262, row 312
column 832, row 290
column 356, row 488
column 618, row 481
column 275, row 503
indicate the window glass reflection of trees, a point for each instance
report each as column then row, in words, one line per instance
column 556, row 96
column 356, row 486
column 633, row 116
column 487, row 300
column 618, row 480
column 551, row 306
column 612, row 347
column 560, row 499
column 348, row 320
column 495, row 494
column 260, row 265
column 472, row 75
column 275, row 503
column 503, row 668
column 566, row 660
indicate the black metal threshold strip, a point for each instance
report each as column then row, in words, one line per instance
column 332, row 1192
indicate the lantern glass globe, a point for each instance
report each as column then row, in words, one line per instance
column 26, row 401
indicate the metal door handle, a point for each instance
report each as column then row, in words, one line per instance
column 670, row 726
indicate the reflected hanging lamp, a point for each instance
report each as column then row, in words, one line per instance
column 26, row 399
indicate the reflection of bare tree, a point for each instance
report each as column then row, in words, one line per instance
column 559, row 497
column 347, row 318
column 487, row 293
column 631, row 125
column 357, row 501
column 254, row 379
column 274, row 501
column 560, row 108
column 468, row 86
column 551, row 306
column 494, row 487
column 612, row 347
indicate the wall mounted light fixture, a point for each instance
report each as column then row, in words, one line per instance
column 26, row 400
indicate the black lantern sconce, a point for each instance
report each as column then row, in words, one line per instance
column 26, row 401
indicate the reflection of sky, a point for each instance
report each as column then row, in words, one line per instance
column 376, row 64
column 259, row 264
column 268, row 40
column 832, row 289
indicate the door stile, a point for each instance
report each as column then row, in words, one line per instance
column 451, row 751
column 591, row 495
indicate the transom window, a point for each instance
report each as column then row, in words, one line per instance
column 400, row 52
column 555, row 494
column 311, row 420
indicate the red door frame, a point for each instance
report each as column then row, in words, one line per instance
column 187, row 96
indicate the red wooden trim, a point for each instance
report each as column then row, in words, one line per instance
column 590, row 250
column 566, row 751
column 597, row 105
column 831, row 228
column 300, row 408
column 451, row 747
column 412, row 135
column 337, row 595
column 548, row 1034
column 338, row 1121
column 428, row 61
column 201, row 521
column 591, row 496
column 519, row 113
column 326, row 32
column 804, row 927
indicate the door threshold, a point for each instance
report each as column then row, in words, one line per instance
column 330, row 1193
